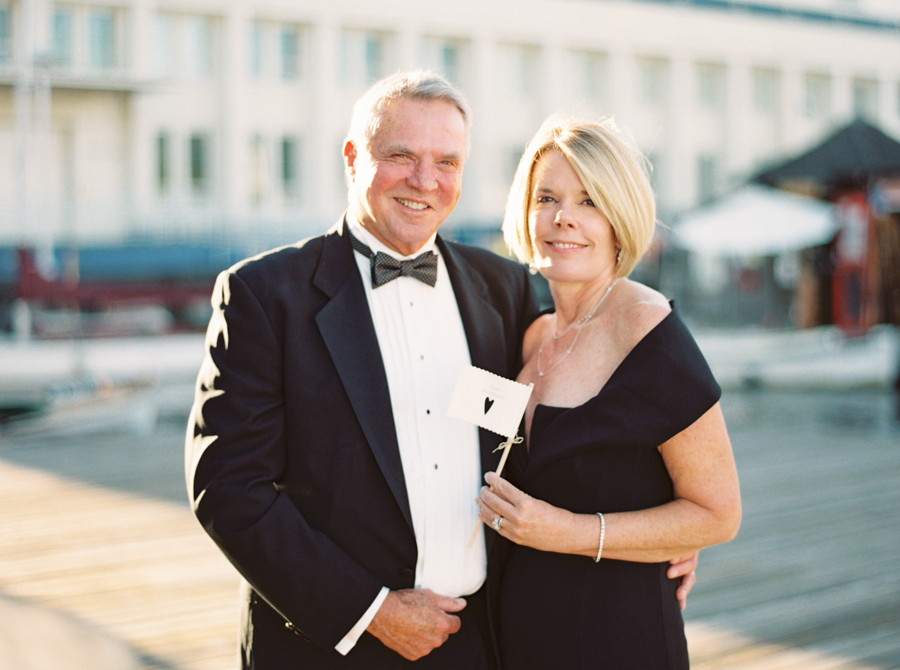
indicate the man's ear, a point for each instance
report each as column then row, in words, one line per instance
column 350, row 157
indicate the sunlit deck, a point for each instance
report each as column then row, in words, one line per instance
column 96, row 527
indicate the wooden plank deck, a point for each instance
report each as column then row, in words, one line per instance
column 812, row 580
column 139, row 568
column 95, row 526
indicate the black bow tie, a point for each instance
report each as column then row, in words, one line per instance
column 385, row 267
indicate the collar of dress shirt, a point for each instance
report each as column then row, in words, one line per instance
column 377, row 245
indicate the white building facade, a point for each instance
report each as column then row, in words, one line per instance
column 223, row 119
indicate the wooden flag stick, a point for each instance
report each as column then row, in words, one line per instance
column 506, row 446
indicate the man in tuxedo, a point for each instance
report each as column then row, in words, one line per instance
column 319, row 454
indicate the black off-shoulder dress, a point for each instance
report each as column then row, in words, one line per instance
column 564, row 611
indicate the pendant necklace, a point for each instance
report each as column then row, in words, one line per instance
column 579, row 324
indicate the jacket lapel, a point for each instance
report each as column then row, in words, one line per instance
column 346, row 326
column 484, row 328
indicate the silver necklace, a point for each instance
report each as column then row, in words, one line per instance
column 579, row 324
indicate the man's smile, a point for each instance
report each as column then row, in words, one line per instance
column 412, row 204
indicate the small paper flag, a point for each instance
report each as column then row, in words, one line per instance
column 489, row 401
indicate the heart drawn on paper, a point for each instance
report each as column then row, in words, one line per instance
column 488, row 403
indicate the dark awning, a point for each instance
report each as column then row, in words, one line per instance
column 852, row 155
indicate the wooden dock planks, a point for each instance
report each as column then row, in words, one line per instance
column 811, row 582
column 139, row 568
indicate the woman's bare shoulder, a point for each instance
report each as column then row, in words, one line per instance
column 643, row 308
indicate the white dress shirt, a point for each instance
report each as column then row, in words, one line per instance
column 423, row 346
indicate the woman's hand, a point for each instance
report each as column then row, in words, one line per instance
column 535, row 523
column 706, row 509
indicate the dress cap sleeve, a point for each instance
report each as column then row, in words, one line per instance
column 661, row 387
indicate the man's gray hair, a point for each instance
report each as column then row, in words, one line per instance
column 415, row 85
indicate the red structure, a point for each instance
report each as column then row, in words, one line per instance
column 854, row 289
column 69, row 291
column 847, row 168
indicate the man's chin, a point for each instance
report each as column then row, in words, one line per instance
column 413, row 236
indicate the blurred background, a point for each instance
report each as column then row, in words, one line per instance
column 146, row 145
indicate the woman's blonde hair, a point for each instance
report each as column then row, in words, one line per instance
column 613, row 172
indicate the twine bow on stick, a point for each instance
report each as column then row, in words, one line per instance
column 506, row 447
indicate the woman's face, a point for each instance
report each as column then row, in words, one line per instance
column 573, row 241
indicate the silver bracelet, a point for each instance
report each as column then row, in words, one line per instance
column 602, row 536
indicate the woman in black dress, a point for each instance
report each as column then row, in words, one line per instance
column 627, row 463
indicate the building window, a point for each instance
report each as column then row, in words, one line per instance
column 449, row 61
column 817, row 99
column 256, row 49
column 363, row 57
column 347, row 57
column 865, row 99
column 711, row 85
column 374, row 63
column 199, row 46
column 513, row 158
column 163, row 163
column 199, row 156
column 652, row 81
column 519, row 70
column 523, row 70
column 707, row 178
column 290, row 163
column 290, row 52
column 61, row 35
column 591, row 70
column 443, row 56
column 5, row 46
column 165, row 44
column 259, row 173
column 101, row 39
column 765, row 91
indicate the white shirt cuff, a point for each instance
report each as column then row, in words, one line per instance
column 350, row 639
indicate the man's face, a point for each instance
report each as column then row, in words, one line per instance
column 408, row 180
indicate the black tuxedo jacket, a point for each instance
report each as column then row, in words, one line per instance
column 292, row 460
